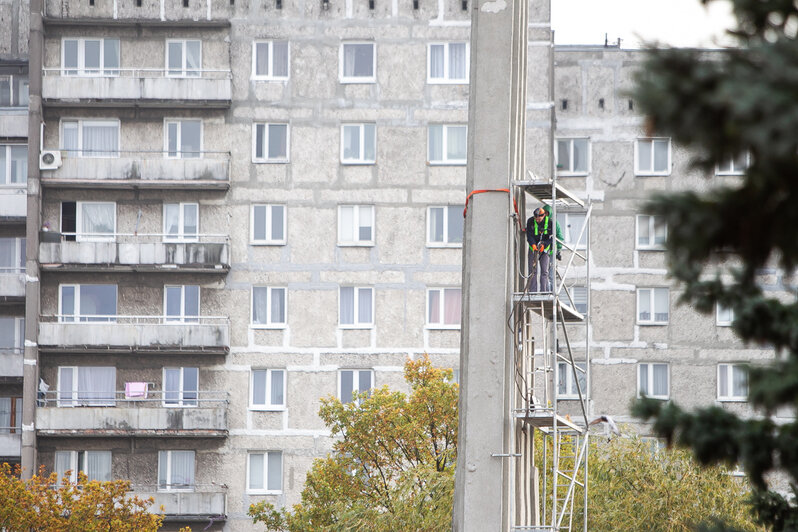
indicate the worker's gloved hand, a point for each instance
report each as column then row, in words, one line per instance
column 559, row 256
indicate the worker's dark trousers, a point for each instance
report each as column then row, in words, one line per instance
column 542, row 268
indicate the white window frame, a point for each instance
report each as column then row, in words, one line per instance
column 564, row 371
column 81, row 122
column 181, row 235
column 182, row 317
column 731, row 368
column 651, row 221
column 178, row 148
column 444, row 160
column 80, row 235
column 566, row 168
column 73, row 389
column 266, row 132
column 650, row 380
column 356, row 323
column 355, row 382
column 564, row 219
column 77, row 317
column 652, row 294
column 442, row 310
column 733, row 170
column 80, row 70
column 264, row 490
column 185, row 72
column 270, row 323
column 447, row 79
column 270, row 75
column 19, row 332
column 6, row 147
column 576, row 301
column 268, row 241
column 20, row 242
column 75, row 462
column 354, row 232
column 14, row 98
column 182, row 401
column 362, row 147
column 724, row 316
column 267, row 405
column 651, row 171
column 447, row 243
column 343, row 78
column 168, row 487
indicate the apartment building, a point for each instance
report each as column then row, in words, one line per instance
column 245, row 206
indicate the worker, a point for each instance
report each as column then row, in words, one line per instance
column 539, row 228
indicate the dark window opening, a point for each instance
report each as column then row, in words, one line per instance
column 564, row 104
column 69, row 220
column 185, row 3
column 91, row 2
column 138, row 3
column 601, row 103
column 415, row 4
column 464, row 5
column 631, row 105
column 279, row 4
column 371, row 4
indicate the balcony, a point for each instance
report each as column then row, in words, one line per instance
column 10, row 443
column 203, row 14
column 210, row 170
column 141, row 334
column 138, row 87
column 89, row 414
column 13, row 203
column 200, row 504
column 14, row 122
column 12, row 285
column 10, row 363
column 135, row 252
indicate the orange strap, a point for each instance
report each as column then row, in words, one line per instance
column 515, row 204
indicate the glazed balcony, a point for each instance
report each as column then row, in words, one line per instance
column 11, row 363
column 141, row 334
column 12, row 285
column 138, row 87
column 196, row 414
column 10, row 442
column 134, row 252
column 154, row 169
column 197, row 503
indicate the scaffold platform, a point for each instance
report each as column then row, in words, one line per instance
column 545, row 419
column 543, row 302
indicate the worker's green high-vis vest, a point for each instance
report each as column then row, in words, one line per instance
column 545, row 228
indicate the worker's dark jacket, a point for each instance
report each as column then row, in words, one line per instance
column 540, row 233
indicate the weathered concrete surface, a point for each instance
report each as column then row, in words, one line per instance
column 128, row 420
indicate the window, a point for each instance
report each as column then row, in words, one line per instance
column 265, row 472
column 10, row 415
column 445, row 226
column 268, row 307
column 652, row 232
column 180, row 386
column 573, row 156
column 95, row 464
column 724, row 316
column 270, row 143
column 90, row 57
column 447, row 62
column 356, row 225
column 356, row 306
column 183, row 58
column 14, row 91
column 732, row 382
column 181, row 303
column 175, row 470
column 270, row 60
column 13, row 164
column 443, row 308
column 86, row 386
column 268, row 224
column 358, row 143
column 734, row 165
column 352, row 381
column 579, row 296
column 267, row 389
column 180, row 222
column 653, row 156
column 12, row 255
column 652, row 306
column 567, row 385
column 653, row 380
column 87, row 302
column 88, row 221
column 358, row 62
column 12, row 334
column 183, row 139
column 90, row 138
column 447, row 144
column 572, row 224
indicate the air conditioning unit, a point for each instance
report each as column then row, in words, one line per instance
column 49, row 160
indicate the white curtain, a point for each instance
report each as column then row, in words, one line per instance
column 98, row 465
column 96, row 385
column 191, row 309
column 347, row 305
column 643, row 379
column 5, row 415
column 660, row 230
column 278, row 229
column 435, row 143
column 364, row 301
column 661, row 304
column 580, row 155
column 346, row 225
column 278, row 305
column 256, row 471
column 455, row 223
column 69, row 140
column 660, row 155
column 63, row 463
column 275, row 470
column 174, row 60
column 642, row 230
column 366, row 214
column 347, row 386
column 358, row 60
column 71, row 56
column 171, row 219
column 644, row 155
column 351, row 142
column 644, row 304
column 436, row 55
column 193, row 59
column 111, row 57
column 8, row 256
column 452, row 302
column 171, row 386
column 739, row 381
column 190, row 220
column 564, row 155
column 456, row 143
column 434, row 305
column 562, row 378
column 278, row 138
column 259, row 386
column 260, row 305
column 100, row 140
column 4, row 179
column 262, row 59
column 277, row 387
column 280, row 58
column 98, row 219
column 19, row 164
column 660, row 379
column 369, row 142
column 723, row 380
column 182, row 471
column 457, row 61
column 436, row 224
column 364, row 380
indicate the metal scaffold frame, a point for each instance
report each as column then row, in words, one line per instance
column 546, row 483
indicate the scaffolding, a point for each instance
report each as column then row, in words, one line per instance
column 552, row 378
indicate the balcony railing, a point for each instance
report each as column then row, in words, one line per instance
column 12, row 284
column 14, row 122
column 184, row 413
column 157, row 169
column 112, row 333
column 10, row 441
column 164, row 13
column 135, row 252
column 14, row 201
column 142, row 87
column 11, row 362
column 198, row 501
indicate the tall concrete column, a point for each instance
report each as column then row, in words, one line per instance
column 30, row 371
column 495, row 151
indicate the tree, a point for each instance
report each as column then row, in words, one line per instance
column 742, row 102
column 392, row 466
column 42, row 504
